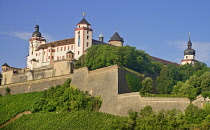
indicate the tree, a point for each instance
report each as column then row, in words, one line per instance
column 147, row 85
column 99, row 56
column 176, row 89
column 169, row 76
column 194, row 115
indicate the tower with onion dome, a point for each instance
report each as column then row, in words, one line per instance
column 189, row 54
column 35, row 41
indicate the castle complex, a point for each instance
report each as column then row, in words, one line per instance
column 58, row 57
column 52, row 63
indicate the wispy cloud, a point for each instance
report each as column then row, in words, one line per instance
column 202, row 49
column 27, row 35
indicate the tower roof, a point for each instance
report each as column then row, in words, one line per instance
column 37, row 33
column 5, row 64
column 116, row 37
column 84, row 21
column 189, row 50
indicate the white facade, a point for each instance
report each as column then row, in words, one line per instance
column 83, row 39
column 44, row 54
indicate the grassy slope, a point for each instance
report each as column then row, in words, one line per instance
column 11, row 105
column 66, row 120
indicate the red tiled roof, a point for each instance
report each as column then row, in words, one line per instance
column 57, row 43
column 165, row 62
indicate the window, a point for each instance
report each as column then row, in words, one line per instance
column 57, row 49
column 57, row 57
column 71, row 47
column 87, row 37
column 87, row 44
column 79, row 40
column 64, row 48
column 48, row 57
column 87, row 31
column 62, row 57
column 61, row 48
column 78, row 52
column 49, row 50
column 68, row 47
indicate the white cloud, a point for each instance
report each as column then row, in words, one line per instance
column 202, row 49
column 27, row 35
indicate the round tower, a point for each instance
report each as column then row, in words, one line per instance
column 116, row 40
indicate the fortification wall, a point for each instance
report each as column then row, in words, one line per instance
column 34, row 85
column 101, row 82
column 62, row 67
column 7, row 77
column 136, row 102
column 59, row 68
column 110, row 83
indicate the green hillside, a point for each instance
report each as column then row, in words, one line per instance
column 77, row 120
column 11, row 105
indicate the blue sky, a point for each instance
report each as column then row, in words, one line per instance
column 160, row 27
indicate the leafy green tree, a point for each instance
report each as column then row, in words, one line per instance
column 146, row 111
column 147, row 85
column 176, row 89
column 206, row 94
column 194, row 115
column 169, row 76
column 66, row 98
column 99, row 56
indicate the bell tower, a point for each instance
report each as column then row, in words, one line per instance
column 83, row 37
column 189, row 54
column 34, row 43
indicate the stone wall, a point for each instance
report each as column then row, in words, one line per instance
column 34, row 85
column 59, row 68
column 110, row 83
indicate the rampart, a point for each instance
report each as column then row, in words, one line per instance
column 109, row 83
column 34, row 85
column 58, row 68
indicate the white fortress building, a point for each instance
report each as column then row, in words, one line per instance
column 58, row 57
column 43, row 54
column 55, row 58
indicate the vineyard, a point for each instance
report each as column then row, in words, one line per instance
column 11, row 105
column 76, row 120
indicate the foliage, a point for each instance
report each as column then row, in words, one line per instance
column 169, row 76
column 99, row 56
column 147, row 85
column 66, row 98
column 11, row 105
column 194, row 115
column 206, row 94
column 133, row 82
column 7, row 91
column 193, row 87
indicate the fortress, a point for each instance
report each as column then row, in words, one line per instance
column 50, row 64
